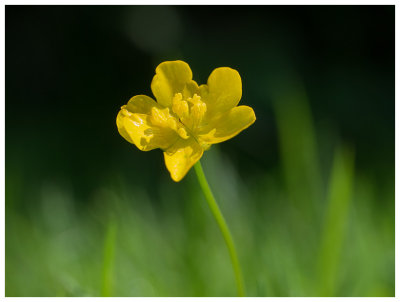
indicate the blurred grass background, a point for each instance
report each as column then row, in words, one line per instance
column 308, row 190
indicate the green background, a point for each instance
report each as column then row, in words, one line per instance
column 308, row 190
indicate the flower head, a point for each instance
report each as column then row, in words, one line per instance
column 186, row 119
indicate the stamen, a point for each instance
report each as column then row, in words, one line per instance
column 162, row 118
column 187, row 116
column 180, row 107
column 197, row 110
column 183, row 133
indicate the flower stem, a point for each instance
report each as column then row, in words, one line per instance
column 222, row 225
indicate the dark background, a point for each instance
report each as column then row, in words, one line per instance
column 70, row 68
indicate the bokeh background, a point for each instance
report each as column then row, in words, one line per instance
column 308, row 190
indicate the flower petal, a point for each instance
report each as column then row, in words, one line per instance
column 172, row 77
column 222, row 92
column 141, row 104
column 227, row 126
column 181, row 157
column 121, row 127
column 138, row 129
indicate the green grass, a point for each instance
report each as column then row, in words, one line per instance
column 300, row 230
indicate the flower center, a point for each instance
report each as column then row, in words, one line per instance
column 162, row 118
column 190, row 111
column 185, row 118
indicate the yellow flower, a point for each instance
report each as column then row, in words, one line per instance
column 186, row 119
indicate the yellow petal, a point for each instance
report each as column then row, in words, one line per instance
column 138, row 129
column 121, row 127
column 172, row 77
column 222, row 92
column 141, row 104
column 181, row 157
column 227, row 126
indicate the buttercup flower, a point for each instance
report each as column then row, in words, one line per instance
column 186, row 119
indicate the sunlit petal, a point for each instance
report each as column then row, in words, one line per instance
column 227, row 126
column 181, row 157
column 138, row 129
column 222, row 92
column 141, row 104
column 172, row 77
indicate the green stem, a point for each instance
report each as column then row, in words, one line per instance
column 222, row 225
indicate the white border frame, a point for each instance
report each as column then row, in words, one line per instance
column 182, row 2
